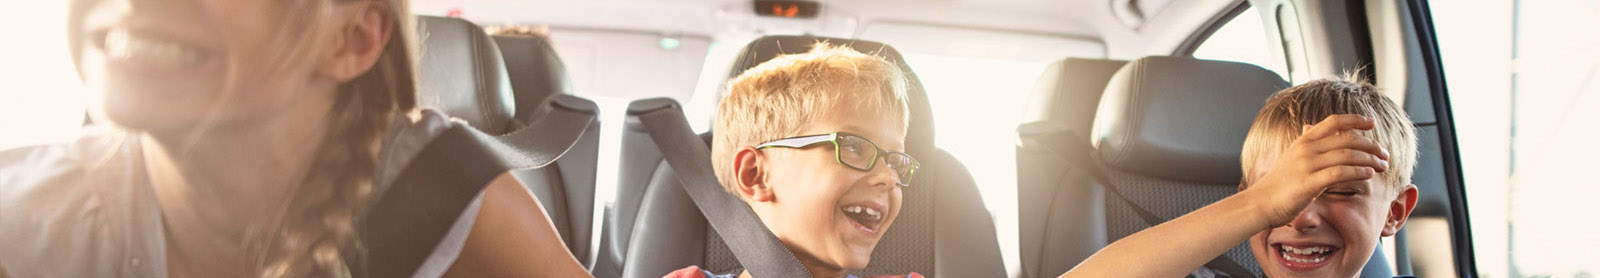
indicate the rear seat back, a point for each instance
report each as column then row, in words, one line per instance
column 464, row 73
column 461, row 74
column 567, row 190
column 1066, row 95
column 641, row 168
column 1167, row 133
column 536, row 72
column 943, row 228
column 1069, row 90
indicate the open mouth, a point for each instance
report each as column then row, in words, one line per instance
column 151, row 51
column 1304, row 257
column 866, row 218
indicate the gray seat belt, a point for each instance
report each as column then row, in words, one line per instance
column 410, row 219
column 756, row 248
column 1075, row 149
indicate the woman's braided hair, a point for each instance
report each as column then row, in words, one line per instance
column 318, row 230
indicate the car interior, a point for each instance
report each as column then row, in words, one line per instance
column 1165, row 127
column 1154, row 118
column 927, row 246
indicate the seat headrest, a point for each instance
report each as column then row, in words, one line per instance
column 1180, row 118
column 461, row 74
column 1068, row 92
column 919, row 134
column 536, row 72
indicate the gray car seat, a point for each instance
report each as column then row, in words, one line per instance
column 943, row 228
column 1066, row 95
column 460, row 73
column 567, row 190
column 535, row 71
column 467, row 75
column 1167, row 133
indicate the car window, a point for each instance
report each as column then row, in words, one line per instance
column 987, row 93
column 42, row 100
column 1242, row 39
column 1525, row 96
column 630, row 65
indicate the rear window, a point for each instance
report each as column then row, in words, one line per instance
column 1242, row 39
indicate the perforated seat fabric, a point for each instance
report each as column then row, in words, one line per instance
column 954, row 238
column 1167, row 132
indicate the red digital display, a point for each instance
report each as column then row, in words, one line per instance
column 787, row 9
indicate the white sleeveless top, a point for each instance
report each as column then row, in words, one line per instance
column 86, row 208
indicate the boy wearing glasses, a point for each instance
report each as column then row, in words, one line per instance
column 813, row 143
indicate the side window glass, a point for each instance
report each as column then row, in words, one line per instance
column 1243, row 39
column 1524, row 90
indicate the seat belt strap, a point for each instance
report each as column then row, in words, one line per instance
column 756, row 248
column 1076, row 150
column 408, row 222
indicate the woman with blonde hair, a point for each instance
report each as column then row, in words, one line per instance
column 242, row 138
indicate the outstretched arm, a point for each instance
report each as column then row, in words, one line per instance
column 1177, row 247
column 1325, row 155
column 513, row 237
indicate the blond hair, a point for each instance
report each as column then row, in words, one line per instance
column 1280, row 122
column 777, row 98
column 317, row 230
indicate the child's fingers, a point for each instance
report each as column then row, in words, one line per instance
column 1338, row 174
column 1349, row 157
column 1334, row 124
column 1349, row 141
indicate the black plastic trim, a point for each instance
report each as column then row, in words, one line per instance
column 1361, row 33
column 1460, row 228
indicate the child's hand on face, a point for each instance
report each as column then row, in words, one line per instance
column 1324, row 155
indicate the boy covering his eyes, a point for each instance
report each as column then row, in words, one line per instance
column 1327, row 171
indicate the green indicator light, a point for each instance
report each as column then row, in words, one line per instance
column 669, row 43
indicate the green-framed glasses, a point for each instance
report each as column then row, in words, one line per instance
column 854, row 151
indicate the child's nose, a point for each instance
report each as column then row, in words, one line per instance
column 883, row 175
column 1308, row 220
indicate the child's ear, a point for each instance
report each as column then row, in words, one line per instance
column 750, row 175
column 1400, row 210
column 359, row 43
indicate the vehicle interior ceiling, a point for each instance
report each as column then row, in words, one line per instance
column 1031, row 30
column 617, row 51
